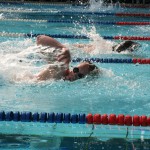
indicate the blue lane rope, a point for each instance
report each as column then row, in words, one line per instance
column 59, row 12
column 106, row 14
column 34, row 3
column 114, row 60
column 103, row 60
column 97, row 22
column 81, row 22
column 64, row 4
column 59, row 36
column 81, row 13
column 62, row 21
column 42, row 117
column 29, row 35
column 86, row 37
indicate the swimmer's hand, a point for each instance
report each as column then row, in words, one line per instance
column 64, row 56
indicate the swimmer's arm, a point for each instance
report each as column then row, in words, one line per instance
column 45, row 74
column 48, row 41
column 64, row 56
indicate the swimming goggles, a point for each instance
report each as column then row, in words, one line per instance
column 80, row 75
column 76, row 70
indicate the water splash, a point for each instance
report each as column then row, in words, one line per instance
column 101, row 46
column 95, row 4
column 1, row 16
column 15, row 62
column 99, row 5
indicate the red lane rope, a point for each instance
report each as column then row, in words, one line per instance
column 104, row 119
column 132, row 38
column 121, row 120
column 133, row 23
column 114, row 60
column 29, row 35
column 141, row 61
column 133, row 14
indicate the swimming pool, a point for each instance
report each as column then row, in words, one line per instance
column 121, row 89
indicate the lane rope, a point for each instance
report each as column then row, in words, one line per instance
column 82, row 22
column 51, row 117
column 77, row 13
column 31, row 35
column 35, row 3
column 68, row 4
column 114, row 60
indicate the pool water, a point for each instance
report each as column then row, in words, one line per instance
column 120, row 89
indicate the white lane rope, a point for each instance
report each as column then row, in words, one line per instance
column 23, row 20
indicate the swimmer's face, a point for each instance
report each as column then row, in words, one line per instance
column 81, row 71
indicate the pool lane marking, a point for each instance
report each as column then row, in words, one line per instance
column 82, row 22
column 31, row 35
column 78, row 13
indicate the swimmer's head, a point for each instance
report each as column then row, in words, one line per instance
column 126, row 46
column 82, row 70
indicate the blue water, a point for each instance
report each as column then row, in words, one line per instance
column 121, row 89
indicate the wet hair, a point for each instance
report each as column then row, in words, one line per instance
column 93, row 69
column 126, row 46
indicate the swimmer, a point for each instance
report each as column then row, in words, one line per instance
column 129, row 46
column 63, row 71
column 83, row 69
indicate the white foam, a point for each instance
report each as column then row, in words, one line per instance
column 107, row 72
column 15, row 65
column 18, row 60
column 102, row 46
column 99, row 5
column 143, row 29
column 1, row 16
